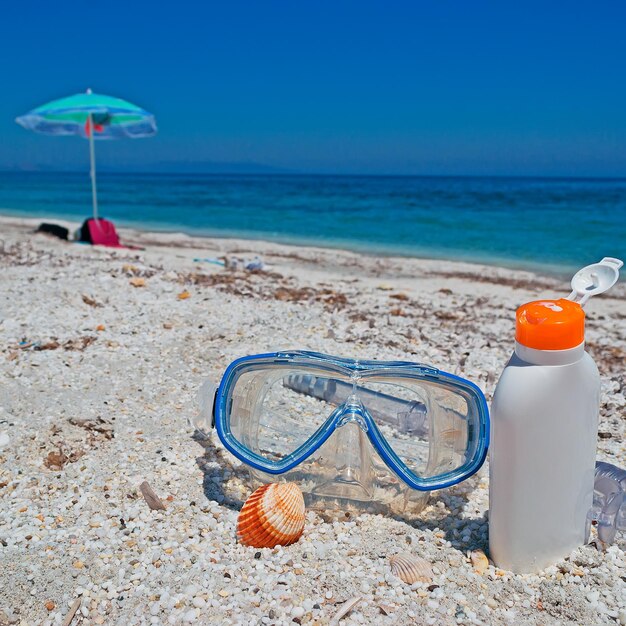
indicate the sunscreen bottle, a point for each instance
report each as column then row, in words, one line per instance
column 544, row 420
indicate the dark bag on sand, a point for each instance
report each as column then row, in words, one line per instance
column 53, row 229
column 99, row 232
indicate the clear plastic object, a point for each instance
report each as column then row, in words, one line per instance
column 609, row 501
column 374, row 436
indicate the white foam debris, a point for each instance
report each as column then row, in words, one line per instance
column 5, row 440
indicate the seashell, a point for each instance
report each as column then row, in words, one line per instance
column 345, row 608
column 273, row 515
column 479, row 561
column 411, row 568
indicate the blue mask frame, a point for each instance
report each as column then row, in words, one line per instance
column 478, row 443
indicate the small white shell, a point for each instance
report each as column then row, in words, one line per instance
column 411, row 568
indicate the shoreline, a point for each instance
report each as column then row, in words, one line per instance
column 562, row 272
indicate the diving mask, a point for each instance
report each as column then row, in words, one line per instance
column 349, row 432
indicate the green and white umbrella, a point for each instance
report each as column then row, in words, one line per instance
column 91, row 116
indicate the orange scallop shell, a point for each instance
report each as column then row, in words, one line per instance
column 273, row 515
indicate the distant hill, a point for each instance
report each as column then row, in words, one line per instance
column 215, row 167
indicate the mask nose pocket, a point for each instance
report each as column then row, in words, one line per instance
column 347, row 456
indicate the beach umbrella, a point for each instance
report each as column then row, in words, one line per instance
column 91, row 116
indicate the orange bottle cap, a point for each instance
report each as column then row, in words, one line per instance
column 550, row 324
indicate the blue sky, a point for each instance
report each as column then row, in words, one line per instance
column 436, row 87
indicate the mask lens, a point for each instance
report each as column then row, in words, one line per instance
column 401, row 412
column 275, row 411
column 426, row 425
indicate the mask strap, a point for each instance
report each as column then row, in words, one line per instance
column 204, row 421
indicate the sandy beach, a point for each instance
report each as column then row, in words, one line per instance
column 102, row 355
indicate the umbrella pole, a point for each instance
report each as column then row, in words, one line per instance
column 92, row 158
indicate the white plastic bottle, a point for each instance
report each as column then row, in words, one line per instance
column 544, row 431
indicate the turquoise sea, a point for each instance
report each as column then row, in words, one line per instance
column 517, row 222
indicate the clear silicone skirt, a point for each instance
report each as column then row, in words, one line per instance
column 609, row 502
column 356, row 436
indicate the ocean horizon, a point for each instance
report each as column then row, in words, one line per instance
column 537, row 223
